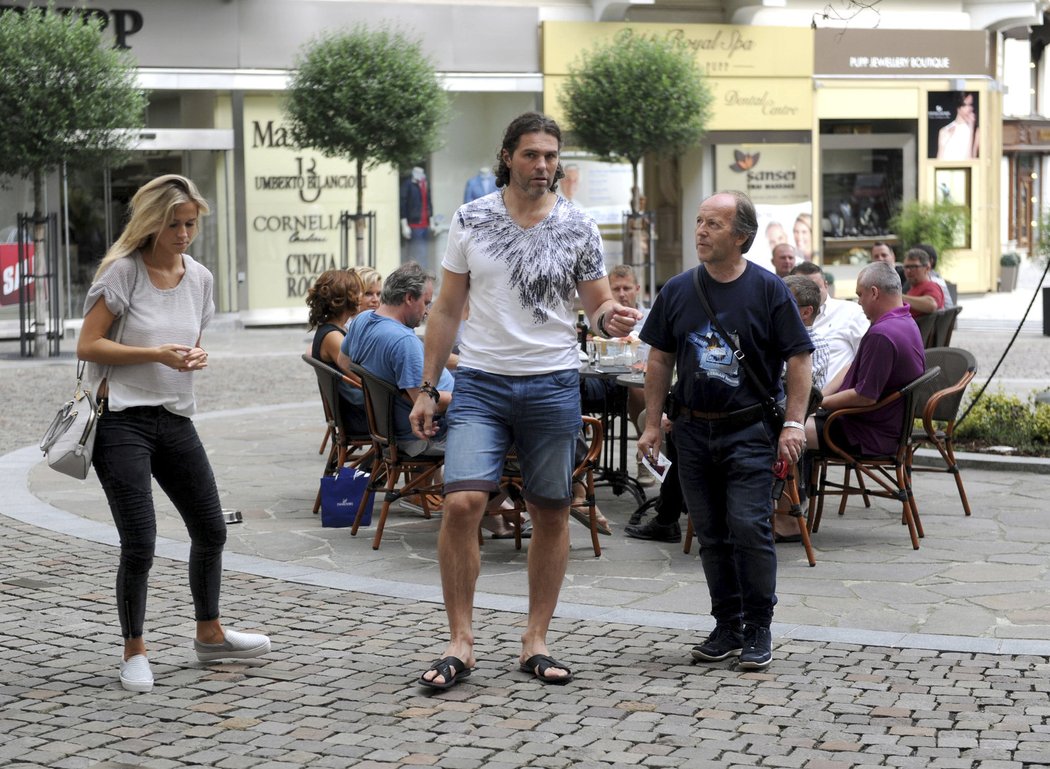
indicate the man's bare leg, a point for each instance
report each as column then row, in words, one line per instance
column 459, row 557
column 548, row 558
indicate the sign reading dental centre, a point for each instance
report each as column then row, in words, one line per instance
column 294, row 200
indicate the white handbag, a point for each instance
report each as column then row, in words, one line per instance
column 70, row 438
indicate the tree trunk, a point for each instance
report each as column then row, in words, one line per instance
column 637, row 222
column 636, row 193
column 40, row 297
column 359, row 222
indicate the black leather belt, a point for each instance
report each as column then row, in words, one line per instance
column 738, row 418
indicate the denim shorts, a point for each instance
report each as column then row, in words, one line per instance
column 537, row 415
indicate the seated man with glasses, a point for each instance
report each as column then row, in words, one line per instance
column 923, row 295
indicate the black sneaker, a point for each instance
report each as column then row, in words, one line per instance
column 724, row 641
column 660, row 532
column 758, row 648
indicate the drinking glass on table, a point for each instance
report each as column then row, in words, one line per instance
column 592, row 353
column 641, row 358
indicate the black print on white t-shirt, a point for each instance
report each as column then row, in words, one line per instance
column 545, row 261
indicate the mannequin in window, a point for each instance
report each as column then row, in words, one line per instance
column 479, row 185
column 570, row 182
column 417, row 214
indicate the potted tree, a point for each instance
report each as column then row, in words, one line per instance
column 69, row 98
column 631, row 97
column 1009, row 267
column 371, row 96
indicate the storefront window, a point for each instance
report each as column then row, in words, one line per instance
column 864, row 180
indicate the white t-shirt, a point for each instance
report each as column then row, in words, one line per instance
column 522, row 285
column 155, row 316
column 843, row 324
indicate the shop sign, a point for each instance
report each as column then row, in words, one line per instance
column 294, row 201
column 903, row 52
column 11, row 275
column 121, row 22
column 777, row 178
column 721, row 50
column 766, row 103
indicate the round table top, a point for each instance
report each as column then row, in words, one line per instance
column 632, row 379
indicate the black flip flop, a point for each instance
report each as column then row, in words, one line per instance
column 538, row 664
column 452, row 669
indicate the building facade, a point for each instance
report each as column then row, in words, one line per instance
column 829, row 123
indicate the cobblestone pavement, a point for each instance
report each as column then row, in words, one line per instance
column 338, row 689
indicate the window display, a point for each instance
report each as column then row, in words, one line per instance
column 864, row 180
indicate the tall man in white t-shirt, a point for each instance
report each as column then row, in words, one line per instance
column 518, row 256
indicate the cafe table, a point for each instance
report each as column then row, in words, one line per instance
column 613, row 471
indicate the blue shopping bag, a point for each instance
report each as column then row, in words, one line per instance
column 340, row 497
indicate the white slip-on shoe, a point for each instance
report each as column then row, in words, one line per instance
column 237, row 646
column 135, row 675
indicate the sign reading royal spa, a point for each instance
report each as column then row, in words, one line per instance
column 753, row 83
column 294, row 200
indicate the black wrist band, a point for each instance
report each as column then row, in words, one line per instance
column 430, row 390
column 601, row 327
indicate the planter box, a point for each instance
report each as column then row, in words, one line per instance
column 1008, row 277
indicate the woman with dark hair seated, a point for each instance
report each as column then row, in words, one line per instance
column 333, row 299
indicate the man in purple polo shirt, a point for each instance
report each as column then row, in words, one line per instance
column 890, row 355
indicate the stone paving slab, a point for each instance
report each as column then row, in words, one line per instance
column 983, row 578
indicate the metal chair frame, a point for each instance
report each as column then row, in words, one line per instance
column 939, row 412
column 888, row 472
column 345, row 448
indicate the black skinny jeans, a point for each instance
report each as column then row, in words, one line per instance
column 130, row 447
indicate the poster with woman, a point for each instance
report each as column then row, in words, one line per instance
column 952, row 125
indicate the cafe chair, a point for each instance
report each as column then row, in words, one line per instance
column 346, row 448
column 927, row 324
column 944, row 325
column 583, row 473
column 421, row 472
column 888, row 474
column 939, row 412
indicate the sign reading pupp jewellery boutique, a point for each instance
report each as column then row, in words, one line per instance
column 294, row 199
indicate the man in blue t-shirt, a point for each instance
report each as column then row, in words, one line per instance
column 726, row 444
column 384, row 342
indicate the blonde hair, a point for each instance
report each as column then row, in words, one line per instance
column 151, row 210
column 333, row 293
column 368, row 276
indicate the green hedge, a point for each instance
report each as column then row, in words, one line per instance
column 1005, row 420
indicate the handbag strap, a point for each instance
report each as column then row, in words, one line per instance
column 763, row 390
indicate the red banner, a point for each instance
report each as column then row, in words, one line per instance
column 10, row 274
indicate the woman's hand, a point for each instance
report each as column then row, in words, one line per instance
column 195, row 360
column 173, row 355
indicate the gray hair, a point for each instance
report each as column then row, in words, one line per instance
column 745, row 221
column 805, row 290
column 407, row 281
column 882, row 276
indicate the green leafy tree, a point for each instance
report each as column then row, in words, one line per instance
column 633, row 96
column 942, row 226
column 367, row 95
column 66, row 95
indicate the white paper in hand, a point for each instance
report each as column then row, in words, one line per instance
column 658, row 468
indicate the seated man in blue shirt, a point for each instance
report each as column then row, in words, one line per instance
column 384, row 342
